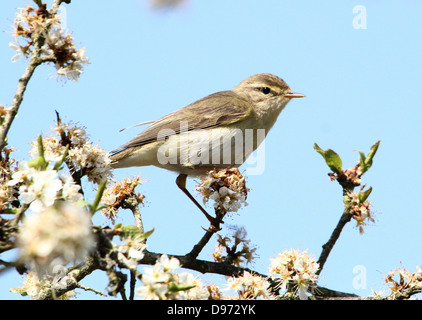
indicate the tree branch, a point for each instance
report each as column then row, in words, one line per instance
column 200, row 245
column 71, row 279
column 132, row 204
column 107, row 260
column 18, row 98
column 344, row 219
column 196, row 250
column 36, row 59
column 326, row 248
column 56, row 4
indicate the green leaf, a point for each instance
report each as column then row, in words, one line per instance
column 94, row 207
column 83, row 203
column 38, row 163
column 372, row 153
column 332, row 159
column 129, row 231
column 60, row 162
column 148, row 233
column 366, row 161
column 40, row 147
column 174, row 287
column 363, row 195
column 10, row 210
column 132, row 231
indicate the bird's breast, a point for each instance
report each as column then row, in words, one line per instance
column 219, row 147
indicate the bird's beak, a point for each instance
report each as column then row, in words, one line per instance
column 293, row 95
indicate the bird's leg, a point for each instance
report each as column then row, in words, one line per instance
column 181, row 183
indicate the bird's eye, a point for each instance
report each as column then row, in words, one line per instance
column 266, row 90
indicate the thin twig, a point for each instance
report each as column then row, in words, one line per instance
column 344, row 219
column 72, row 280
column 99, row 261
column 38, row 3
column 18, row 98
column 35, row 60
column 200, row 245
column 196, row 250
column 133, row 204
column 19, row 214
column 326, row 248
column 56, row 5
column 132, row 284
column 81, row 286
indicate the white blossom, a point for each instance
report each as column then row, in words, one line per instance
column 59, row 233
column 42, row 191
column 168, row 264
column 82, row 153
column 70, row 190
column 163, row 281
column 18, row 49
column 296, row 268
column 226, row 187
column 250, row 286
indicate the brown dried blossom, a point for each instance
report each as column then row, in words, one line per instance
column 351, row 176
column 114, row 197
column 406, row 285
column 360, row 211
column 82, row 155
column 237, row 247
column 58, row 46
column 3, row 113
column 8, row 194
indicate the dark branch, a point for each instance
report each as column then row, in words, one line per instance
column 326, row 248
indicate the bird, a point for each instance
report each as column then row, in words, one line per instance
column 216, row 132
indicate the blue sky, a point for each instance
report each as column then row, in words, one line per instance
column 361, row 85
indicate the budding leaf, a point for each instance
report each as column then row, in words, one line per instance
column 366, row 161
column 37, row 163
column 83, row 203
column 363, row 195
column 129, row 231
column 148, row 233
column 95, row 206
column 332, row 159
column 362, row 159
column 372, row 153
column 174, row 287
column 10, row 210
column 132, row 231
column 40, row 147
column 60, row 162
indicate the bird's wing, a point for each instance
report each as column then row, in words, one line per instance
column 221, row 108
